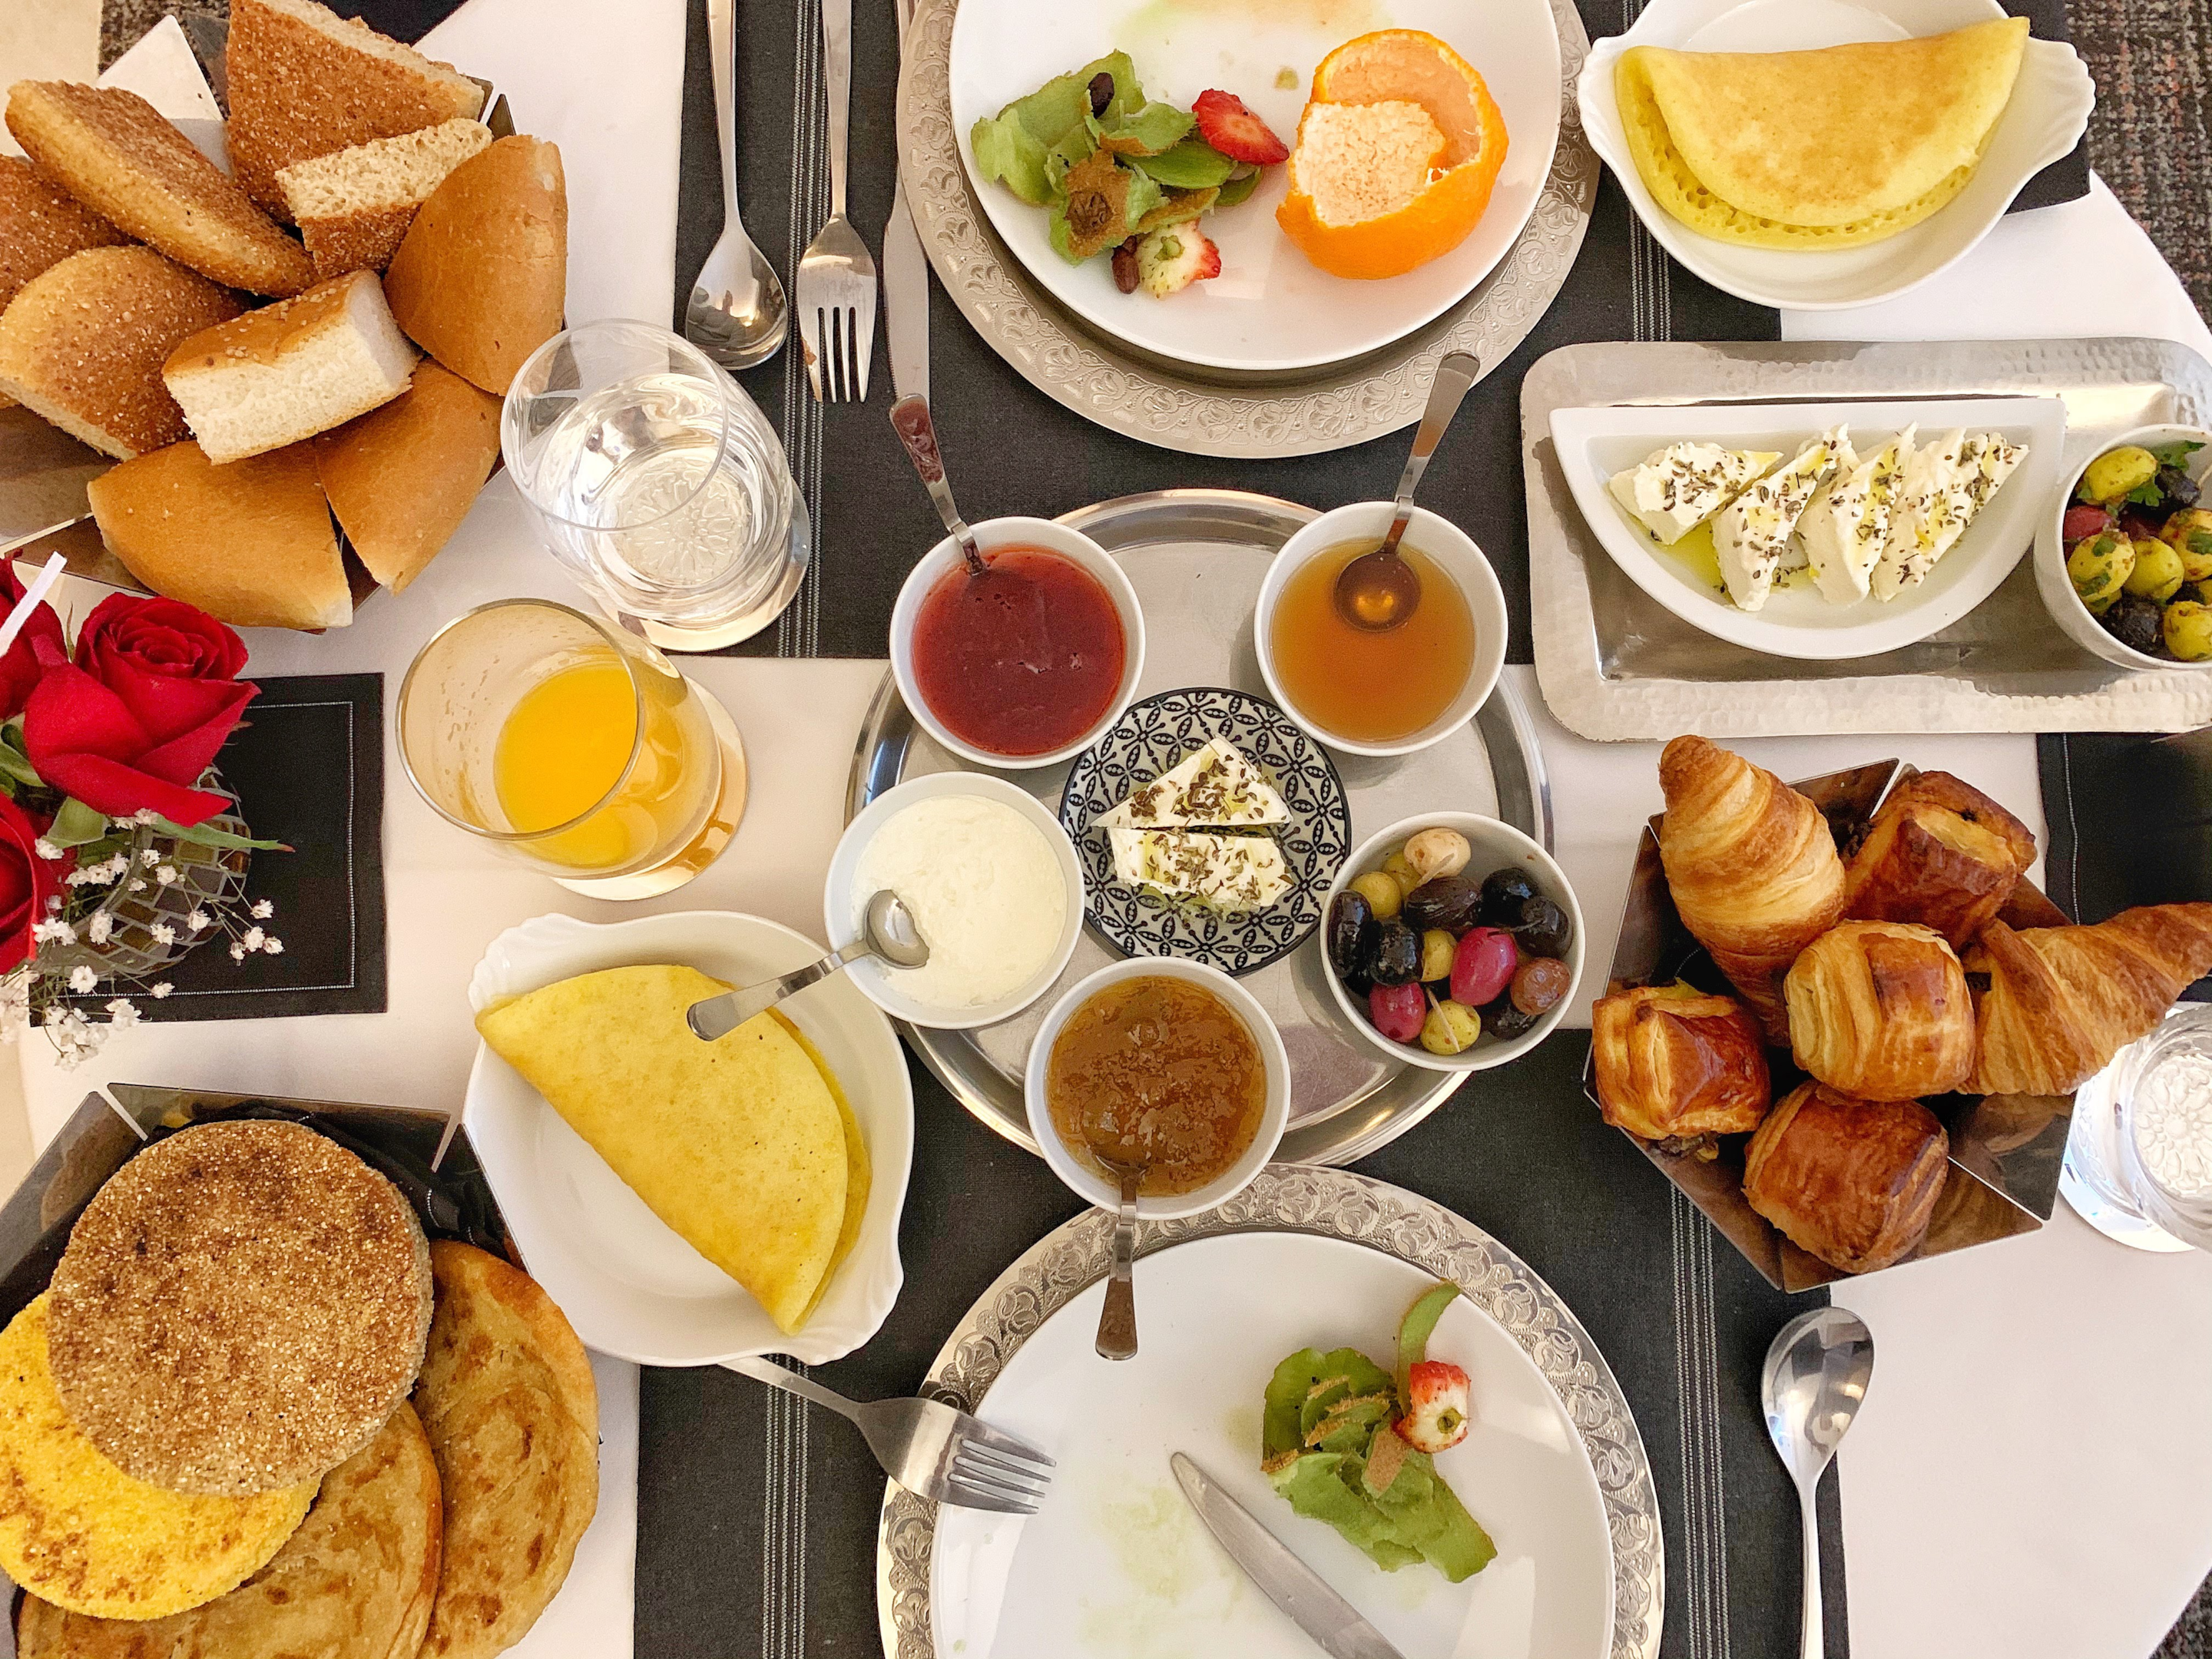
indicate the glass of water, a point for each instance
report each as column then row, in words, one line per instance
column 2139, row 1151
column 659, row 484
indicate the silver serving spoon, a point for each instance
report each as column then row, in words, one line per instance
column 887, row 930
column 1117, row 1316
column 1814, row 1383
column 1378, row 590
column 911, row 419
column 738, row 314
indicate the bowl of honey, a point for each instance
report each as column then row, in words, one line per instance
column 1389, row 692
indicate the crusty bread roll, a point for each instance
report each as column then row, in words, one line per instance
column 402, row 477
column 250, row 543
column 112, row 151
column 353, row 208
column 289, row 371
column 481, row 280
column 82, row 344
column 305, row 81
column 41, row 224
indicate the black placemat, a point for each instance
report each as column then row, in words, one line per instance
column 308, row 765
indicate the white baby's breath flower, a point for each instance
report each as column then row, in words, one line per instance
column 144, row 815
column 83, row 981
column 275, row 947
column 253, row 938
column 166, row 875
column 122, row 1013
column 149, row 856
column 45, row 849
column 52, row 932
column 263, row 909
column 162, row 990
column 135, row 886
column 98, row 926
column 164, row 934
column 237, row 951
column 197, row 921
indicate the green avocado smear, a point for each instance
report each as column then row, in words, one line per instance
column 1328, row 1444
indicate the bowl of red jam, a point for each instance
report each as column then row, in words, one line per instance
column 1027, row 664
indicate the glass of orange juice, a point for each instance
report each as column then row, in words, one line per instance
column 572, row 746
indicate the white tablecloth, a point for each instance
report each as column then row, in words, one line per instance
column 2030, row 1478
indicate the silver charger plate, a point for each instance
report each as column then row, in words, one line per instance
column 1331, row 1203
column 1214, row 412
column 1616, row 665
column 1196, row 558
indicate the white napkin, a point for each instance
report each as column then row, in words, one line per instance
column 161, row 69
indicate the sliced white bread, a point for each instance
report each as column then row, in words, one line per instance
column 283, row 374
column 82, row 344
column 305, row 81
column 402, row 477
column 250, row 543
column 353, row 207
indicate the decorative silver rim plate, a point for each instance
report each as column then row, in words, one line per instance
column 1152, row 738
column 1331, row 1203
column 1301, row 412
column 1196, row 558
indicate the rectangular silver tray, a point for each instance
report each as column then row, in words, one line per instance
column 1616, row 665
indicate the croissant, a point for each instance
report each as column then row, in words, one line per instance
column 1880, row 1010
column 1751, row 865
column 1939, row 853
column 2061, row 1001
column 1852, row 1181
column 1675, row 1064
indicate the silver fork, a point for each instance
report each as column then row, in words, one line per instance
column 836, row 283
column 933, row 1450
column 736, row 315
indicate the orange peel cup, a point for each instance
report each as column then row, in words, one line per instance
column 1397, row 152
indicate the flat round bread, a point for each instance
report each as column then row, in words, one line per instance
column 241, row 1308
column 77, row 1531
column 513, row 1416
column 355, row 1582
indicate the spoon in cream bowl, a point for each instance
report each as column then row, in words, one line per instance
column 887, row 931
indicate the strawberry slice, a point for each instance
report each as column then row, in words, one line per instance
column 1226, row 123
column 1436, row 1394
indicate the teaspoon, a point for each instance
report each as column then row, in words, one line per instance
column 910, row 420
column 1378, row 590
column 1117, row 1316
column 1814, row 1383
column 887, row 931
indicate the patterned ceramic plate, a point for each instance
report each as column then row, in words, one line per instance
column 1151, row 738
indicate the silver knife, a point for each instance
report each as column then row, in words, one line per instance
column 1334, row 1625
column 906, row 278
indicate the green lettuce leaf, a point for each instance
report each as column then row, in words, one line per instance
column 1007, row 152
column 1146, row 131
column 1194, row 164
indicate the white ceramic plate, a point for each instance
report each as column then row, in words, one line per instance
column 1117, row 1562
column 2050, row 108
column 1269, row 309
column 1593, row 444
column 627, row 1283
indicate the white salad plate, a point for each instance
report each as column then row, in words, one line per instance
column 1116, row 1561
column 2049, row 111
column 1595, row 443
column 1269, row 309
column 629, row 1283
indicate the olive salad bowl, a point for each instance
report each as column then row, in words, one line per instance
column 2060, row 577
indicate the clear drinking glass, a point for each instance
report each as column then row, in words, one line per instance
column 659, row 484
column 2139, row 1152
column 573, row 747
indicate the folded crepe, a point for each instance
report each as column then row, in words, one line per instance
column 1820, row 150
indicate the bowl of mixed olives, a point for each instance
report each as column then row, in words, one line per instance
column 2128, row 572
column 1452, row 942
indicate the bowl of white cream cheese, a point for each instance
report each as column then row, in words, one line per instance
column 993, row 886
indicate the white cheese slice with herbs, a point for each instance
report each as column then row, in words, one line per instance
column 1232, row 872
column 1674, row 489
column 1946, row 487
column 1216, row 788
column 1753, row 531
column 1846, row 524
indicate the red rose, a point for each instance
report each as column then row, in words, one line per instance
column 19, row 665
column 136, row 720
column 27, row 881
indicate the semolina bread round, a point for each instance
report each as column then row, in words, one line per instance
column 480, row 281
column 513, row 1414
column 41, row 224
column 82, row 344
column 355, row 1582
column 78, row 1532
column 401, row 478
column 240, row 1307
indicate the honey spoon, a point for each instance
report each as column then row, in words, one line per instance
column 1378, row 591
column 910, row 420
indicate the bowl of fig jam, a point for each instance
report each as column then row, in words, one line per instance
column 1027, row 664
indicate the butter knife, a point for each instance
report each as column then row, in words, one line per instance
column 1334, row 1625
column 906, row 277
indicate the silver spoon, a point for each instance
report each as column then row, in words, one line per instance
column 736, row 315
column 1117, row 1317
column 1814, row 1383
column 911, row 419
column 1378, row 590
column 887, row 931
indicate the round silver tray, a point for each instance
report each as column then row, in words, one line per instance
column 1211, row 412
column 1196, row 558
column 1332, row 1203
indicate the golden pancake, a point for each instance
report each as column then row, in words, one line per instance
column 513, row 1417
column 1835, row 148
column 77, row 1531
column 355, row 1582
column 737, row 1144
column 860, row 1172
column 240, row 1308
